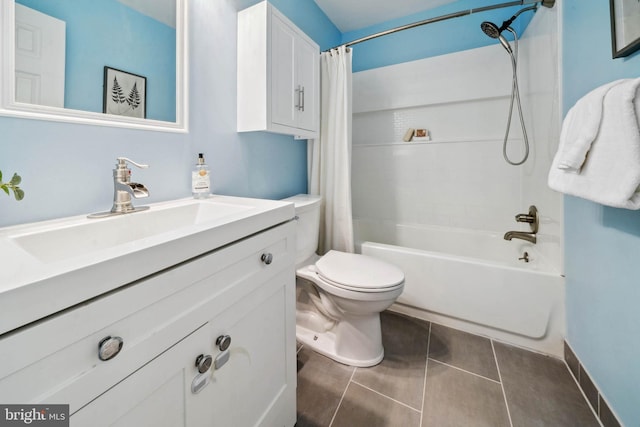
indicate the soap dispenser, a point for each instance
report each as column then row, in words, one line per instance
column 200, row 179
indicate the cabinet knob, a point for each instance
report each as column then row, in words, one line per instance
column 109, row 347
column 267, row 258
column 203, row 363
column 223, row 342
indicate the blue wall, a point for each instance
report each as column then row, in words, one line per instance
column 53, row 157
column 66, row 168
column 141, row 46
column 602, row 244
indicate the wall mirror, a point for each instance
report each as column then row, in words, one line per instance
column 104, row 62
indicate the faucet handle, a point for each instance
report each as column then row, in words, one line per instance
column 122, row 163
column 525, row 218
column 531, row 218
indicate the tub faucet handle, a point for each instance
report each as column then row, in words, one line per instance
column 525, row 218
column 530, row 218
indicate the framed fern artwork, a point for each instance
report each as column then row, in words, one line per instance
column 125, row 94
column 625, row 27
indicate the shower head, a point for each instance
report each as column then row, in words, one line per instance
column 494, row 32
column 490, row 29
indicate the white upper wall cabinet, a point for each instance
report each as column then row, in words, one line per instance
column 278, row 74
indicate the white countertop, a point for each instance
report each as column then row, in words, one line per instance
column 37, row 282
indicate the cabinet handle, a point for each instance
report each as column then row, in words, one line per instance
column 302, row 102
column 267, row 258
column 109, row 347
column 299, row 100
column 223, row 342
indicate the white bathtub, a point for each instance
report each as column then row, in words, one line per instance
column 474, row 281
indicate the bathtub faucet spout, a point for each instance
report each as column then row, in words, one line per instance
column 529, row 237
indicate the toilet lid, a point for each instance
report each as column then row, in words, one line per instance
column 358, row 271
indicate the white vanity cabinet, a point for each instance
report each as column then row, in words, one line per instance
column 278, row 74
column 244, row 291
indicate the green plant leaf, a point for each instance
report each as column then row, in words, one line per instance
column 15, row 179
column 5, row 189
column 18, row 193
column 0, row 176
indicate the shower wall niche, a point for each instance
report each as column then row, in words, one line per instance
column 459, row 178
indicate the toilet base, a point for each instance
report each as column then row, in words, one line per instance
column 344, row 341
column 354, row 339
column 324, row 343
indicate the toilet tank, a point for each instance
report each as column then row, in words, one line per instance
column 307, row 225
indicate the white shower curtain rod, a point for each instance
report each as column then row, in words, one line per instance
column 548, row 3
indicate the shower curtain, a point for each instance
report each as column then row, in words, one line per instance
column 329, row 157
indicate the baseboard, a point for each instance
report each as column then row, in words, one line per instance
column 590, row 390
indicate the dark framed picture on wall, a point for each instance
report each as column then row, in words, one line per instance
column 625, row 27
column 125, row 94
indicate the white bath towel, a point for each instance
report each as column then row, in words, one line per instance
column 610, row 173
column 580, row 127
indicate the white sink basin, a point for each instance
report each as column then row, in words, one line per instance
column 61, row 241
column 52, row 265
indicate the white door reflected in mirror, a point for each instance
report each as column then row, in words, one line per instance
column 40, row 58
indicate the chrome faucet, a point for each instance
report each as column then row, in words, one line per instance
column 124, row 189
column 532, row 219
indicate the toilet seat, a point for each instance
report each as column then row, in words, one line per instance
column 358, row 273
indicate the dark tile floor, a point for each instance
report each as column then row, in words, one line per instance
column 437, row 376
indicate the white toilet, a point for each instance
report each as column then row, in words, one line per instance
column 340, row 295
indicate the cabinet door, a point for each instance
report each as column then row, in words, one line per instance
column 157, row 395
column 257, row 384
column 284, row 94
column 308, row 78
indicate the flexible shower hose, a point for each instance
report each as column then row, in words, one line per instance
column 515, row 94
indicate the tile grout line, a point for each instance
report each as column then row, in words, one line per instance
column 467, row 372
column 342, row 397
column 385, row 396
column 424, row 383
column 504, row 394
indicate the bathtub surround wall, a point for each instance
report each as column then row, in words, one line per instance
column 541, row 85
column 459, row 178
column 602, row 243
column 66, row 168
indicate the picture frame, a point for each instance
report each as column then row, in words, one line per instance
column 125, row 93
column 625, row 27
